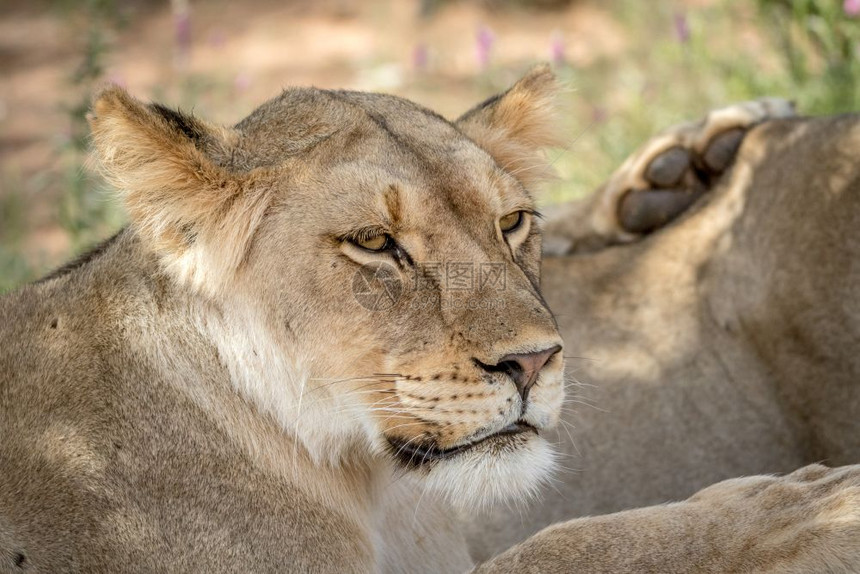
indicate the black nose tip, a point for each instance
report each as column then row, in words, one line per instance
column 523, row 368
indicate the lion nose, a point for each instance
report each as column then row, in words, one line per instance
column 524, row 368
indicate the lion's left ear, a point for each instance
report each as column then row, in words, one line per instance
column 515, row 126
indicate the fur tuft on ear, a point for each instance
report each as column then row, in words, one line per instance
column 514, row 126
column 195, row 214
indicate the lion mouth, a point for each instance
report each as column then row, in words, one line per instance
column 418, row 454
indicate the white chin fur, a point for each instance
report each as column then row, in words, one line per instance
column 490, row 474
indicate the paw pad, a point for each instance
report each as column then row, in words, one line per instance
column 673, row 170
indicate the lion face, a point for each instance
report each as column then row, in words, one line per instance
column 391, row 258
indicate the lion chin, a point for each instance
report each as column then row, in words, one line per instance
column 509, row 466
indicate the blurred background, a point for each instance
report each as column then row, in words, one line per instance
column 633, row 68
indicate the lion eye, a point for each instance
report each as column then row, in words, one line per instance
column 376, row 243
column 511, row 221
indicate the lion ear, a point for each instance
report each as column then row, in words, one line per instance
column 513, row 127
column 198, row 216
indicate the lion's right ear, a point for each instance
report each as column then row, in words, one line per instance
column 513, row 127
column 198, row 216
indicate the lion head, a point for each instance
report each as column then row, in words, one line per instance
column 369, row 270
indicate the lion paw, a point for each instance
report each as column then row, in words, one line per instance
column 676, row 168
column 661, row 180
column 807, row 521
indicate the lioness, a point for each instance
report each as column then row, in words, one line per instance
column 320, row 334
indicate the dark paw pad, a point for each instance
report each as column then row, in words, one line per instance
column 667, row 169
column 643, row 211
column 721, row 150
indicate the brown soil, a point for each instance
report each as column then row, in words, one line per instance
column 244, row 52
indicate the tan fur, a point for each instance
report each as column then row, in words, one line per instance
column 173, row 191
column 810, row 526
column 722, row 345
column 209, row 391
column 519, row 125
column 179, row 390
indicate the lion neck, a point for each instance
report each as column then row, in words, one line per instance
column 310, row 443
column 265, row 368
column 227, row 352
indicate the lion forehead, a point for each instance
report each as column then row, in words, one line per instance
column 353, row 124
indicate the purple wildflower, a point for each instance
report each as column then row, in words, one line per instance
column 242, row 81
column 117, row 79
column 484, row 46
column 182, row 31
column 851, row 8
column 419, row 57
column 682, row 27
column 556, row 48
